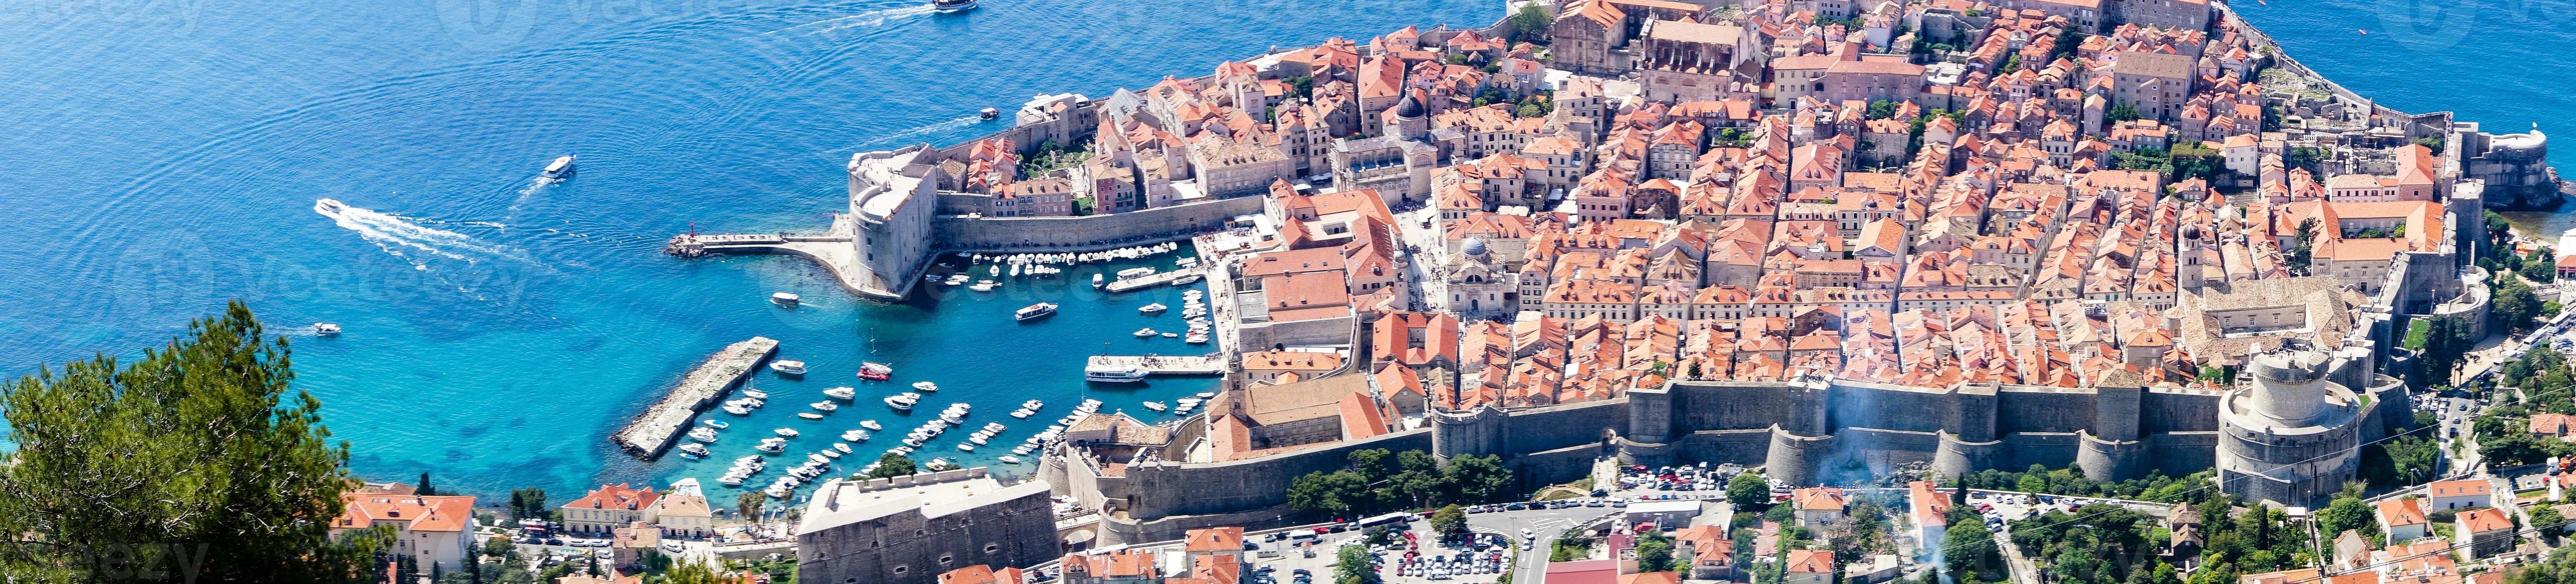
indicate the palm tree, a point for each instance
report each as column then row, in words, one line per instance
column 749, row 504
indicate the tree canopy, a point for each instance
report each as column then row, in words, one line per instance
column 197, row 459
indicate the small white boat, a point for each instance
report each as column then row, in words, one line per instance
column 996, row 271
column 966, row 447
column 737, row 410
column 561, row 167
column 1196, row 339
column 871, row 425
column 940, row 464
column 986, row 113
column 956, row 280
column 823, row 406
column 979, row 440
column 1186, row 280
column 326, row 329
column 1206, row 395
column 829, row 453
column 1097, row 280
column 809, row 415
column 771, row 447
column 855, row 435
column 1156, row 406
column 730, row 481
column 984, row 286
column 843, row 448
column 841, row 393
column 1008, row 459
column 1133, row 273
column 1171, row 335
column 717, row 424
column 693, row 450
column 1034, row 311
column 1146, row 332
column 703, row 434
column 784, row 298
column 874, row 371
column 755, row 394
column 925, row 386
column 788, row 367
column 1152, row 309
column 818, row 458
column 786, row 432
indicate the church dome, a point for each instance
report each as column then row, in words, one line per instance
column 1410, row 107
column 1475, row 246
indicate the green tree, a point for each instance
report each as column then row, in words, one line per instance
column 2346, row 512
column 1530, row 21
column 1352, row 566
column 749, row 503
column 2514, row 302
column 892, row 465
column 424, row 489
column 1655, row 552
column 197, row 456
column 1880, row 109
column 528, row 503
column 1449, row 519
column 1479, row 478
column 1966, row 551
column 1326, row 493
column 2123, row 113
column 1421, row 479
column 1748, row 491
column 689, row 573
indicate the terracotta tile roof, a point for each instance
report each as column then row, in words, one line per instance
column 1215, row 539
column 418, row 513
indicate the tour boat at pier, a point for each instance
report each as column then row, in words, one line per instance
column 1034, row 311
column 561, row 167
column 842, row 393
column 1152, row 309
column 784, row 298
column 925, row 386
column 874, row 371
column 788, row 367
column 326, row 329
column 1118, row 376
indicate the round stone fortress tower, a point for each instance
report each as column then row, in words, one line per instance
column 2290, row 438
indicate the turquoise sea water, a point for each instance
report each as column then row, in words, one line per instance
column 165, row 156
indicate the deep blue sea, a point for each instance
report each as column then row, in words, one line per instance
column 163, row 156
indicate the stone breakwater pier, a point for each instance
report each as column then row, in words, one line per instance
column 652, row 431
column 1211, row 364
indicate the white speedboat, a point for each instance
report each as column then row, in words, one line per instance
column 1034, row 311
column 1096, row 280
column 828, row 453
column 788, row 367
column 730, row 481
column 703, row 434
column 841, row 393
column 956, row 280
column 809, row 415
column 784, row 298
column 979, row 440
column 786, row 432
column 737, row 409
column 925, row 386
column 1008, row 459
column 1133, row 273
column 755, row 394
column 1152, row 309
column 823, row 406
column 561, row 167
column 986, row 113
column 984, row 286
column 1156, row 406
column 693, row 450
column 1146, row 332
column 772, row 447
column 966, row 447
column 1171, row 335
column 326, row 329
column 1195, row 339
column 855, row 435
column 843, row 448
column 871, row 425
column 717, row 424
column 1117, row 376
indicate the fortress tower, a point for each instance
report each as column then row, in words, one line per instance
column 2290, row 438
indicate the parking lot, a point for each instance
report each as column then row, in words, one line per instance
column 1508, row 538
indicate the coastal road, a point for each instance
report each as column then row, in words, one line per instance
column 1544, row 526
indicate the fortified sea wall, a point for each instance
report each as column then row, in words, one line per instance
column 963, row 233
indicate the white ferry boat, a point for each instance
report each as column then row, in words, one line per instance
column 1034, row 311
column 561, row 167
column 1115, row 376
column 785, row 298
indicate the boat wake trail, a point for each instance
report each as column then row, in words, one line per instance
column 869, row 19
column 412, row 240
column 906, row 137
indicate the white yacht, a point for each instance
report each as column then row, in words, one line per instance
column 703, row 434
column 326, row 329
column 788, row 367
column 871, row 425
column 693, row 450
column 561, row 167
column 903, row 402
column 823, row 406
column 925, row 386
column 966, row 447
column 1146, row 332
column 841, row 393
column 1008, row 459
column 1156, row 406
column 755, row 394
column 1152, row 309
column 737, row 409
column 786, row 432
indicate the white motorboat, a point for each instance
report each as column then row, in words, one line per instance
column 809, row 415
column 855, row 435
column 903, row 402
column 1195, row 339
column 1152, row 309
column 737, row 410
column 755, row 394
column 786, row 432
column 1156, row 406
column 986, row 113
column 703, row 434
column 1034, row 311
column 1206, row 395
column 1024, row 449
column 693, row 449
column 995, row 271
column 871, row 425
column 925, row 386
column 1008, row 459
column 984, row 286
column 1116, row 376
column 771, row 447
column 1097, row 280
column 714, row 423
column 326, row 329
column 1171, row 335
column 730, row 481
column 1022, row 414
column 1186, row 263
column 784, row 298
column 956, row 280
column 1146, row 332
column 841, row 393
column 561, row 167
column 818, row 458
column 1186, row 280
column 966, row 447
column 843, row 448
column 788, row 367
column 979, row 440
column 1134, row 273
column 941, row 464
column 823, row 406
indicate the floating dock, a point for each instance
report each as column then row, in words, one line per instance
column 653, row 431
column 1214, row 364
column 1157, row 279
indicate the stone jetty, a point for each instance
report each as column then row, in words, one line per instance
column 656, row 427
column 1211, row 364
